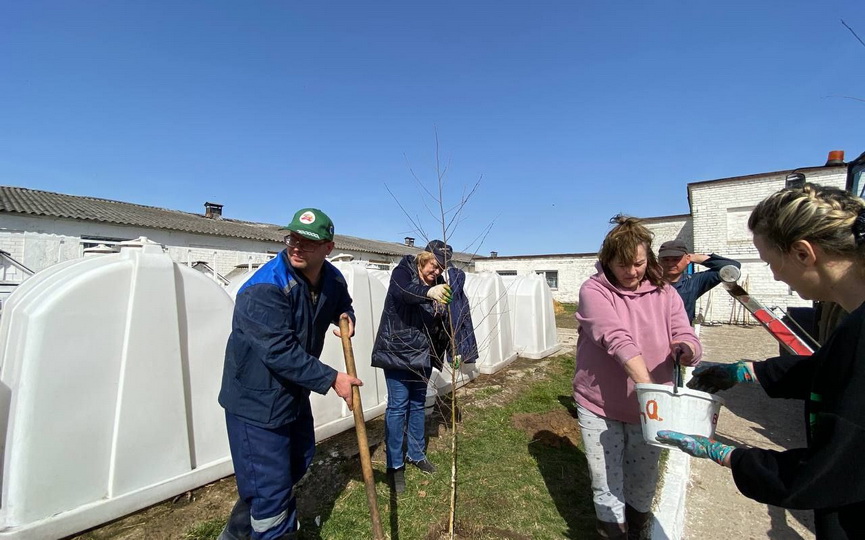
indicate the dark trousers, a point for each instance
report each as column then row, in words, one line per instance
column 268, row 463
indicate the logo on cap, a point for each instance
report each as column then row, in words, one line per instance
column 307, row 218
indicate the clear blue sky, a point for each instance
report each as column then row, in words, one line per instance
column 570, row 111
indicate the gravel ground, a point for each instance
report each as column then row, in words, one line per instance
column 714, row 507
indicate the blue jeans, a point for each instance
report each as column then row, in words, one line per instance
column 406, row 396
column 267, row 465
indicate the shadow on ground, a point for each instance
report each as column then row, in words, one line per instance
column 555, row 439
column 759, row 418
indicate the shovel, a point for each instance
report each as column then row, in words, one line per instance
column 360, row 429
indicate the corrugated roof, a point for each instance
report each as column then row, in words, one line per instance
column 58, row 205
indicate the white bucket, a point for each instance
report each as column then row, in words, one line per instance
column 689, row 411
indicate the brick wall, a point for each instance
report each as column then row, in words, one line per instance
column 572, row 271
column 575, row 269
column 717, row 224
column 720, row 213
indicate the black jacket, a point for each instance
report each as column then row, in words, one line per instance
column 277, row 334
column 460, row 313
column 828, row 476
column 411, row 335
column 414, row 333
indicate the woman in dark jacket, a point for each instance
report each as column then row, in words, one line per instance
column 813, row 239
column 413, row 337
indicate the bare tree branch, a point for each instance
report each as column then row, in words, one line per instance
column 845, row 97
column 853, row 32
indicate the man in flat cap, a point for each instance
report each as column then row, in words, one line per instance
column 675, row 258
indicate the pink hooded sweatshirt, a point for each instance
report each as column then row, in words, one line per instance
column 617, row 325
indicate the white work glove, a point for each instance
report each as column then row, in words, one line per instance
column 440, row 293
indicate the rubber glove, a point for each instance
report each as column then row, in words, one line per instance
column 440, row 293
column 696, row 445
column 711, row 378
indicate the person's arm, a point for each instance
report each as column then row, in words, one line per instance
column 827, row 474
column 264, row 318
column 600, row 323
column 406, row 288
column 789, row 377
column 713, row 261
column 701, row 282
column 637, row 370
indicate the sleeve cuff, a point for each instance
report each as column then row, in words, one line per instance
column 626, row 353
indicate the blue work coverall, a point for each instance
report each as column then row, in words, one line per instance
column 271, row 365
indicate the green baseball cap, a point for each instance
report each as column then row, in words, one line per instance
column 312, row 223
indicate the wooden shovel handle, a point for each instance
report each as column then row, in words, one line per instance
column 360, row 429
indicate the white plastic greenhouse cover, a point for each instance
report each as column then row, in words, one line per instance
column 491, row 317
column 532, row 317
column 331, row 414
column 110, row 368
column 237, row 282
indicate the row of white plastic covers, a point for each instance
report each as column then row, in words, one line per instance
column 110, row 367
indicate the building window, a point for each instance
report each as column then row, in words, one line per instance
column 737, row 224
column 506, row 272
column 552, row 277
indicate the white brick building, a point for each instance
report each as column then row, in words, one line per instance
column 40, row 229
column 717, row 223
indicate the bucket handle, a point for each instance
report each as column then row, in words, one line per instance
column 677, row 371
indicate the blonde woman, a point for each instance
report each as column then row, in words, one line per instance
column 412, row 339
column 813, row 239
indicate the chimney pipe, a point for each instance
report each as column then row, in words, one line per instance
column 409, row 241
column 212, row 210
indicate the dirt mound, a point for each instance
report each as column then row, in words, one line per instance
column 556, row 428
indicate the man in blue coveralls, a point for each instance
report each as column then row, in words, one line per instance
column 281, row 317
column 675, row 258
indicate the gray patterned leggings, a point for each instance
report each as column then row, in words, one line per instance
column 623, row 467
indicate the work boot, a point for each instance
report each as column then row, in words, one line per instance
column 612, row 531
column 639, row 523
column 396, row 479
column 239, row 526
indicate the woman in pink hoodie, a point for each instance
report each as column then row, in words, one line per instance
column 632, row 325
